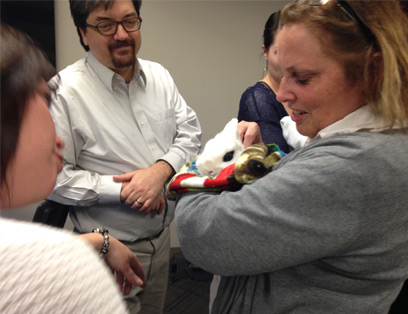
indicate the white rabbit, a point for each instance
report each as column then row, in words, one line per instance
column 220, row 151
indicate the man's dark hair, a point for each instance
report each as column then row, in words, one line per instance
column 80, row 10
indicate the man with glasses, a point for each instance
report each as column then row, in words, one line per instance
column 126, row 130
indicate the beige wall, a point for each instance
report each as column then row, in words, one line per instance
column 211, row 48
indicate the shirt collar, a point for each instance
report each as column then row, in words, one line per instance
column 362, row 119
column 108, row 77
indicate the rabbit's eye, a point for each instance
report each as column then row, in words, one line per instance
column 228, row 156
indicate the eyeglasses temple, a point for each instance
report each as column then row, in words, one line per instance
column 347, row 9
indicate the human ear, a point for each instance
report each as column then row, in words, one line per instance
column 378, row 58
column 265, row 52
column 83, row 35
column 376, row 70
column 378, row 63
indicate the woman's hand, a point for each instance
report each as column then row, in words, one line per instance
column 124, row 263
column 127, row 268
column 249, row 133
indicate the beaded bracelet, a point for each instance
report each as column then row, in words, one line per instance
column 105, row 233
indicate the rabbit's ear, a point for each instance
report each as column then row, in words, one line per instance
column 232, row 128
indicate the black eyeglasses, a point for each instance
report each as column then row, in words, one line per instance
column 353, row 15
column 107, row 28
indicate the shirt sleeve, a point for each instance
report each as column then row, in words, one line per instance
column 244, row 112
column 64, row 274
column 281, row 220
column 76, row 186
column 260, row 106
column 187, row 142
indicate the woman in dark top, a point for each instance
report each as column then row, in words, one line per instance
column 258, row 103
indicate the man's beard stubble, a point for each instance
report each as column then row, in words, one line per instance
column 119, row 63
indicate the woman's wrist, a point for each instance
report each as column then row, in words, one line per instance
column 105, row 233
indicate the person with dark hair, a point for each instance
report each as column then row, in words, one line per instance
column 80, row 12
column 42, row 269
column 259, row 104
column 126, row 130
column 326, row 230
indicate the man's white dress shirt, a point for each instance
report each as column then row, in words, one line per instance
column 109, row 128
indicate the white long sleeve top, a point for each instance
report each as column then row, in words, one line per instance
column 48, row 270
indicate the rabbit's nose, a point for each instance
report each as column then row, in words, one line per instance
column 210, row 172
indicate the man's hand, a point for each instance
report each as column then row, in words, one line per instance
column 249, row 133
column 142, row 188
column 158, row 205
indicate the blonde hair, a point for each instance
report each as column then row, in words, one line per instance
column 382, row 65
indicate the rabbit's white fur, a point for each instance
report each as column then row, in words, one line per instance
column 220, row 151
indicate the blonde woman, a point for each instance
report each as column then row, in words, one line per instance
column 325, row 231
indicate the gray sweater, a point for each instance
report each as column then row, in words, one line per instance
column 325, row 232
